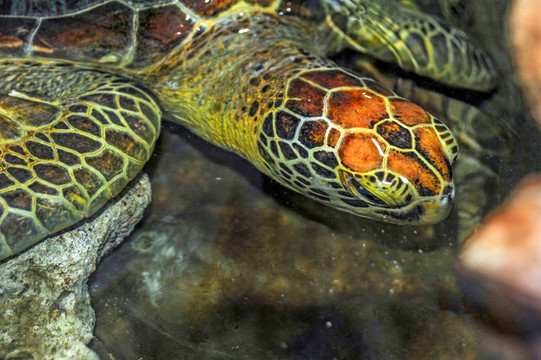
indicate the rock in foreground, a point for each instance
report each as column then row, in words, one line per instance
column 505, row 257
column 525, row 35
column 44, row 301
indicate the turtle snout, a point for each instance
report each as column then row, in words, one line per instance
column 448, row 195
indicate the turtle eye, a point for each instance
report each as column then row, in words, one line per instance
column 360, row 191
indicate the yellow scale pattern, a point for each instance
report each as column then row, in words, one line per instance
column 61, row 160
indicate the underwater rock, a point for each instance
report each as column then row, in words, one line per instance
column 502, row 261
column 525, row 37
column 44, row 300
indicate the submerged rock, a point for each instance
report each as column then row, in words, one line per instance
column 45, row 310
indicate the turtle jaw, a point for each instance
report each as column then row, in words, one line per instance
column 436, row 210
column 422, row 212
column 390, row 201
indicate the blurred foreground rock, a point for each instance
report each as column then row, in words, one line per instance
column 501, row 264
column 525, row 38
column 45, row 310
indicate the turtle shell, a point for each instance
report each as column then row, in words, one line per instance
column 130, row 33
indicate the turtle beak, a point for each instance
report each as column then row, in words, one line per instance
column 434, row 211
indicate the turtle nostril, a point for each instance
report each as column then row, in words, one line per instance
column 447, row 195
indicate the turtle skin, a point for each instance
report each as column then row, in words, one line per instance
column 82, row 92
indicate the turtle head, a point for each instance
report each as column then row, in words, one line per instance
column 352, row 144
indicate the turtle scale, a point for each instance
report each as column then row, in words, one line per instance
column 207, row 9
column 95, row 80
column 105, row 32
column 92, row 34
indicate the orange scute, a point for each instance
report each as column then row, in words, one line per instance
column 409, row 113
column 430, row 146
column 334, row 136
column 332, row 79
column 359, row 152
column 311, row 98
column 409, row 165
column 356, row 108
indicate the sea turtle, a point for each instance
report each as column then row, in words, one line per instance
column 83, row 85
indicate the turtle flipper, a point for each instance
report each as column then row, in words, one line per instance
column 395, row 32
column 66, row 147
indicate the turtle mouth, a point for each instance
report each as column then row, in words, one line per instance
column 359, row 191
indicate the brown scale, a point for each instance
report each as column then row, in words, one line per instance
column 408, row 164
column 210, row 8
column 40, row 188
column 89, row 180
column 286, row 125
column 287, row 151
column 253, row 108
column 326, row 158
column 125, row 143
column 48, row 212
column 104, row 99
column 160, row 29
column 107, row 163
column 39, row 150
column 324, row 172
column 126, row 103
column 138, row 126
column 89, row 35
column 84, row 124
column 332, row 79
column 359, row 153
column 20, row 174
column 52, row 173
column 395, row 134
column 19, row 199
column 312, row 133
column 311, row 98
column 15, row 34
column 426, row 145
column 76, row 142
column 408, row 113
column 356, row 108
column 68, row 158
column 333, row 137
column 26, row 113
column 76, row 197
column 301, row 151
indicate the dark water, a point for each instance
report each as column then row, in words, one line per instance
column 229, row 265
